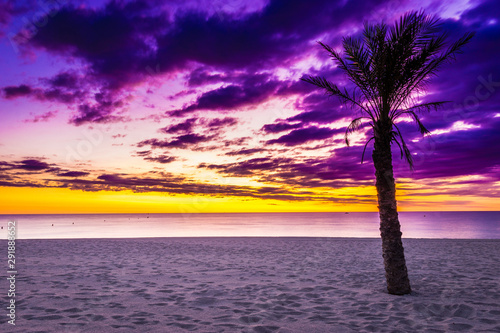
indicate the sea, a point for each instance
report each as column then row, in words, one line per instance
column 447, row 225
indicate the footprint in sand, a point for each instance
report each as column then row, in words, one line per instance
column 459, row 327
column 265, row 329
column 463, row 311
column 250, row 319
column 205, row 301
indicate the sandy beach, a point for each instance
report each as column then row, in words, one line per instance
column 251, row 285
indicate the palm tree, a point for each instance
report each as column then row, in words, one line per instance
column 390, row 67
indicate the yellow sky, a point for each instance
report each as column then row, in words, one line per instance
column 22, row 200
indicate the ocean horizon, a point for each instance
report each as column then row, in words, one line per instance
column 437, row 225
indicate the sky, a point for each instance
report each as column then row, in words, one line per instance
column 197, row 106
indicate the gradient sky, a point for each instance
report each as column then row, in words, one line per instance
column 142, row 106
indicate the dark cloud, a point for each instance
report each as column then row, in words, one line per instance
column 51, row 94
column 459, row 153
column 66, row 80
column 110, row 178
column 237, row 141
column 100, row 112
column 319, row 110
column 263, row 39
column 66, row 87
column 163, row 159
column 164, row 183
column 181, row 141
column 248, row 167
column 222, row 122
column 280, row 127
column 247, row 151
column 245, row 90
column 254, row 90
column 28, row 167
column 113, row 40
column 143, row 152
column 116, row 44
column 341, row 169
column 73, row 174
column 202, row 76
column 17, row 91
column 303, row 135
column 124, row 43
column 318, row 116
column 31, row 165
column 184, row 127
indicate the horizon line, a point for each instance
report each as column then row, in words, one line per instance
column 284, row 212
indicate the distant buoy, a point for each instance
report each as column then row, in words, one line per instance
column 52, row 224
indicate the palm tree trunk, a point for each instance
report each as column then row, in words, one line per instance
column 390, row 230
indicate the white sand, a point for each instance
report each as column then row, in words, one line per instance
column 251, row 285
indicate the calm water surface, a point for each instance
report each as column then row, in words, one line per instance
column 471, row 225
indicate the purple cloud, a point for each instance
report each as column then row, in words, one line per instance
column 280, row 127
column 11, row 92
column 163, row 159
column 303, row 135
column 98, row 113
column 73, row 174
column 32, row 165
column 248, row 151
column 232, row 96
column 125, row 43
column 42, row 117
column 339, row 170
column 222, row 122
column 185, row 126
column 181, row 141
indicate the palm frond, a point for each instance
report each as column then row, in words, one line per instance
column 353, row 126
column 427, row 106
column 423, row 130
column 427, row 64
column 356, row 68
column 401, row 143
column 418, row 108
column 388, row 65
column 333, row 90
column 364, row 149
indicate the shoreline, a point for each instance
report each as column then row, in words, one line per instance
column 256, row 237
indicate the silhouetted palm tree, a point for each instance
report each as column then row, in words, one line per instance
column 390, row 68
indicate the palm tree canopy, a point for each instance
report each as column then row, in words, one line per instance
column 390, row 67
